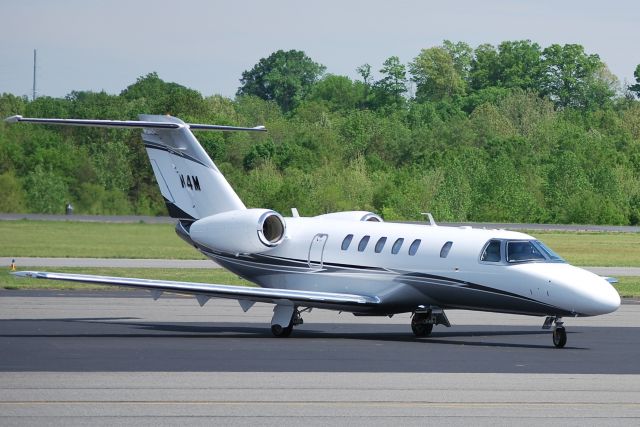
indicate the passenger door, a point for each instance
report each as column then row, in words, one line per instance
column 316, row 251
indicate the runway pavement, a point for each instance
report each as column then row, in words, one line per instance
column 104, row 358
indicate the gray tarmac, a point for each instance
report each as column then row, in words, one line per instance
column 107, row 357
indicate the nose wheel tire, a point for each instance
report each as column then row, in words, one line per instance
column 559, row 337
column 280, row 331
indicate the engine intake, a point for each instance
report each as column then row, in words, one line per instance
column 240, row 231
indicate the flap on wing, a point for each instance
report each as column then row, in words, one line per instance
column 269, row 295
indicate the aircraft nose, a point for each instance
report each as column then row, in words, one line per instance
column 606, row 299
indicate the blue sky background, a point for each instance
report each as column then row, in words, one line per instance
column 205, row 45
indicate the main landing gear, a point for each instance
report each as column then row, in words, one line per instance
column 424, row 318
column 559, row 333
column 285, row 317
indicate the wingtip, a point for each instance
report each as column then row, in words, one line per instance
column 13, row 119
column 30, row 274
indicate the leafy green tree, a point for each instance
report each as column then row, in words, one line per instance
column 46, row 191
column 462, row 55
column 435, row 75
column 514, row 64
column 339, row 93
column 636, row 87
column 365, row 72
column 10, row 105
column 484, row 71
column 570, row 76
column 393, row 84
column 159, row 97
column 11, row 194
column 283, row 77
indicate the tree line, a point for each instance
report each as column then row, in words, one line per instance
column 514, row 132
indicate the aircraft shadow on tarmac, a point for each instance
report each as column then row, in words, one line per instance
column 127, row 327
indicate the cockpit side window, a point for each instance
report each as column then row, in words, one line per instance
column 492, row 252
column 523, row 251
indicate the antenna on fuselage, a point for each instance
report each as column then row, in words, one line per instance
column 432, row 222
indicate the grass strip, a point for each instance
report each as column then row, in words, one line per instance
column 92, row 240
column 214, row 275
column 595, row 249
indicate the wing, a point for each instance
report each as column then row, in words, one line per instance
column 204, row 291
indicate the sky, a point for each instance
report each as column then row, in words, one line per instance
column 206, row 45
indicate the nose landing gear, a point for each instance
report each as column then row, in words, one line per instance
column 559, row 333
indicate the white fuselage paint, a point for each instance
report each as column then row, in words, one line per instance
column 312, row 246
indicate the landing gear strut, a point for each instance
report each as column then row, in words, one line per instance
column 424, row 318
column 559, row 333
column 285, row 317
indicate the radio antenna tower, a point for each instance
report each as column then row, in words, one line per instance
column 34, row 75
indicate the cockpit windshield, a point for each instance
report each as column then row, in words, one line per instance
column 523, row 250
column 548, row 252
column 518, row 251
column 530, row 251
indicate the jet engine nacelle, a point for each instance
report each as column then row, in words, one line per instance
column 240, row 231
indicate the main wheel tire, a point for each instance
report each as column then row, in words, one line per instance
column 280, row 331
column 559, row 337
column 419, row 328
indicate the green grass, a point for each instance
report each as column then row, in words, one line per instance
column 92, row 240
column 594, row 248
column 204, row 275
column 629, row 287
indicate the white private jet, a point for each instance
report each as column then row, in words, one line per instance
column 346, row 261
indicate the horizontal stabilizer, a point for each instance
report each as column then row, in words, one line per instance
column 205, row 290
column 130, row 124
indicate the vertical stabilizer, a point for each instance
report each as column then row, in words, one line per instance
column 191, row 184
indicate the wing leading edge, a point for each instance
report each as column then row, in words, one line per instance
column 208, row 290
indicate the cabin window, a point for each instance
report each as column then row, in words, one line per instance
column 380, row 244
column 346, row 242
column 363, row 243
column 492, row 252
column 445, row 249
column 523, row 251
column 414, row 247
column 396, row 246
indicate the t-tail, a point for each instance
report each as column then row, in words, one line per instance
column 190, row 183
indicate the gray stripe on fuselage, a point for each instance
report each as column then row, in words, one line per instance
column 439, row 290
